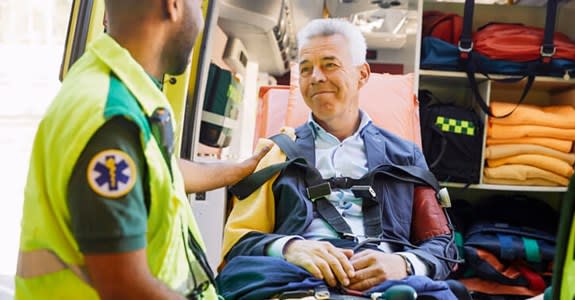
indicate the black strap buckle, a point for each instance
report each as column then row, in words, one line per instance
column 318, row 191
column 339, row 182
column 363, row 191
column 321, row 292
column 349, row 236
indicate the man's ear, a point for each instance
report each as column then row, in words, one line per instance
column 172, row 9
column 364, row 73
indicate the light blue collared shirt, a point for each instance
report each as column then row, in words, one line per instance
column 335, row 158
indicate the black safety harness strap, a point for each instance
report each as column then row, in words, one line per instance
column 318, row 188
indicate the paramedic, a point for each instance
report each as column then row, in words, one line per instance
column 106, row 214
column 341, row 141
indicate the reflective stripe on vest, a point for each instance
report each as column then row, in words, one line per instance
column 43, row 261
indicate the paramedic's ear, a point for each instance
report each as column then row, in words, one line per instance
column 364, row 73
column 171, row 9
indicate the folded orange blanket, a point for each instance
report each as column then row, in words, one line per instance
column 500, row 151
column 560, row 116
column 548, row 163
column 500, row 131
column 523, row 172
column 526, row 182
column 560, row 145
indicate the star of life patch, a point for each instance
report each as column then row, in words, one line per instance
column 111, row 173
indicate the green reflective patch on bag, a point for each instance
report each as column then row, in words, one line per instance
column 455, row 126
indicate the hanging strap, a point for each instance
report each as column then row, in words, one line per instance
column 465, row 44
column 548, row 49
column 470, row 62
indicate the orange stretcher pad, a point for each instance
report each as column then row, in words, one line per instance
column 388, row 99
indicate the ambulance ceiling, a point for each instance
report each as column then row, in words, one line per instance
column 267, row 28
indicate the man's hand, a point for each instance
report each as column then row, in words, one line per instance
column 322, row 260
column 373, row 267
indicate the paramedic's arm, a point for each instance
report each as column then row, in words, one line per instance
column 126, row 276
column 111, row 231
column 200, row 177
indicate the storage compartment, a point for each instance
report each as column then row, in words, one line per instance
column 546, row 91
column 221, row 107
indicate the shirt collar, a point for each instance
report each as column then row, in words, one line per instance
column 317, row 129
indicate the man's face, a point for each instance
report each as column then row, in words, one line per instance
column 185, row 35
column 328, row 81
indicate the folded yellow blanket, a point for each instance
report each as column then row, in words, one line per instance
column 500, row 151
column 523, row 172
column 500, row 131
column 527, row 182
column 548, row 163
column 560, row 145
column 560, row 116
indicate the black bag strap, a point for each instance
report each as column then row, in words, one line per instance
column 548, row 47
column 471, row 62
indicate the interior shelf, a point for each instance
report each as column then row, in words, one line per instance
column 500, row 187
column 555, row 84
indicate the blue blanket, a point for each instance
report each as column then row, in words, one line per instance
column 261, row 277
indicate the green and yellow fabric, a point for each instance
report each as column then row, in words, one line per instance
column 564, row 264
column 50, row 263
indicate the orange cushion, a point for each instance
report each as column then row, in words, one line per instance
column 388, row 99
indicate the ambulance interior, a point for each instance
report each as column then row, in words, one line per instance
column 255, row 42
column 249, row 48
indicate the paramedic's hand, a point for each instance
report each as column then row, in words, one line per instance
column 249, row 165
column 201, row 177
column 373, row 267
column 322, row 260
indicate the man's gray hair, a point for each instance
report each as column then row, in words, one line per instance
column 327, row 27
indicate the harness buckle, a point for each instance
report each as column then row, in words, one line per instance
column 443, row 197
column 349, row 236
column 321, row 292
column 339, row 182
column 318, row 191
column 363, row 191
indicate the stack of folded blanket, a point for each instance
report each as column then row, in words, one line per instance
column 532, row 146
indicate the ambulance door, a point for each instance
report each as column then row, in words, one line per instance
column 185, row 93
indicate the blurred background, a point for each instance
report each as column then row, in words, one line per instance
column 32, row 37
